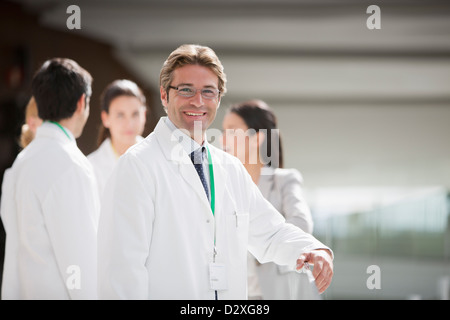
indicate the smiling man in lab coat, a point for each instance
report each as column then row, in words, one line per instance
column 172, row 230
column 50, row 203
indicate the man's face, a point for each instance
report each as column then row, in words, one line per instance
column 184, row 112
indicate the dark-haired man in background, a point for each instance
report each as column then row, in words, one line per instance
column 49, row 202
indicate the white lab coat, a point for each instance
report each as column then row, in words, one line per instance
column 50, row 211
column 103, row 160
column 157, row 231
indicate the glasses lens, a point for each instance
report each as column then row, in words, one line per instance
column 190, row 92
column 186, row 91
column 210, row 93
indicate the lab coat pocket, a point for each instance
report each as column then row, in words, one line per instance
column 241, row 220
column 237, row 227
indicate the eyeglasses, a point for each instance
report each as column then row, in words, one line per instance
column 188, row 92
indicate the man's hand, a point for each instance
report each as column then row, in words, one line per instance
column 323, row 267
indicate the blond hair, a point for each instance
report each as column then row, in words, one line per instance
column 192, row 54
column 31, row 112
column 27, row 135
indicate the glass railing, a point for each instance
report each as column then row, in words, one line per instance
column 408, row 240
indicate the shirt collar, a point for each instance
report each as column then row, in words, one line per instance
column 189, row 145
column 51, row 129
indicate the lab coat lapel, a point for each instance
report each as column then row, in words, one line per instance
column 173, row 151
column 189, row 174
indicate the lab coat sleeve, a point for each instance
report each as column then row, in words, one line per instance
column 10, row 290
column 271, row 238
column 295, row 209
column 7, row 193
column 71, row 209
column 125, row 231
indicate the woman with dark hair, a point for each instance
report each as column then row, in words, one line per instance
column 123, row 114
column 251, row 134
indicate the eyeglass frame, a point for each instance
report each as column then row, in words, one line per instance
column 195, row 92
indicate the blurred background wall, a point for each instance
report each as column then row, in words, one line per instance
column 364, row 114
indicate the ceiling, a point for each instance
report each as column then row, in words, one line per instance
column 278, row 50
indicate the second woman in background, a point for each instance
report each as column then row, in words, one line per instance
column 251, row 134
column 123, row 114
